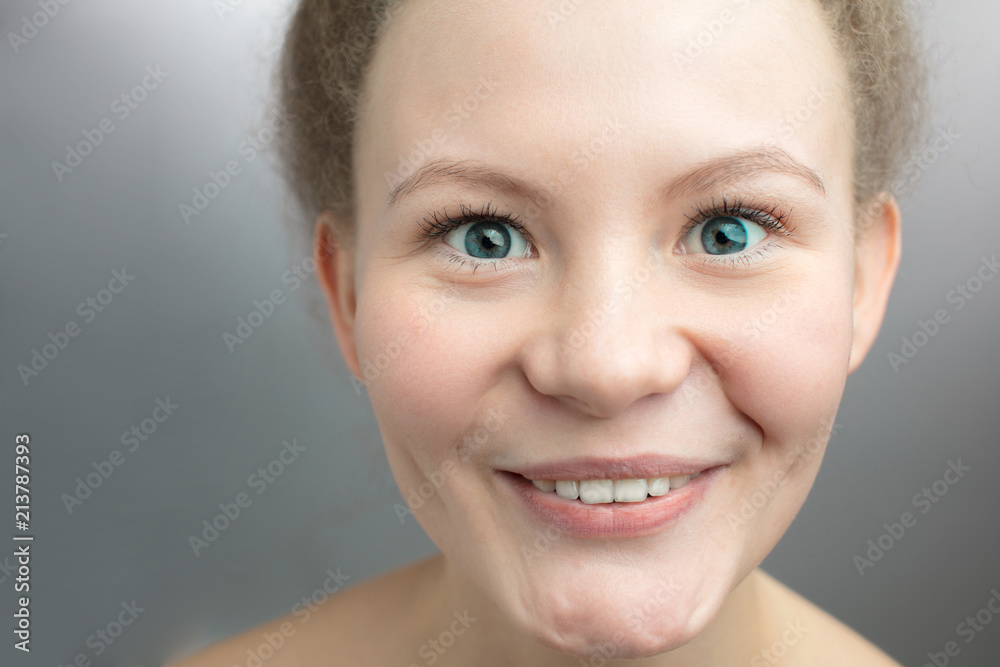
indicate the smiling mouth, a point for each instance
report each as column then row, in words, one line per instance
column 604, row 491
column 624, row 507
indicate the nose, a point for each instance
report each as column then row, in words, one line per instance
column 612, row 336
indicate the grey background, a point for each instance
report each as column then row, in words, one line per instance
column 162, row 336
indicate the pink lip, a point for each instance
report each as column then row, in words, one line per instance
column 612, row 519
column 596, row 467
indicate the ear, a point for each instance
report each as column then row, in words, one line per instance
column 877, row 250
column 335, row 272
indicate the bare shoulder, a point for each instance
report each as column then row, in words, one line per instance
column 350, row 622
column 811, row 636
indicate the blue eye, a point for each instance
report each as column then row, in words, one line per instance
column 487, row 239
column 724, row 235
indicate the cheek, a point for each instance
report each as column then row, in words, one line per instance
column 422, row 364
column 790, row 382
column 786, row 366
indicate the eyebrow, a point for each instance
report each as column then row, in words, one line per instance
column 704, row 176
column 750, row 163
column 443, row 170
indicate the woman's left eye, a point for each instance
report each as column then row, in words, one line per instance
column 723, row 235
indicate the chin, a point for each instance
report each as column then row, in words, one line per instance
column 592, row 617
column 603, row 636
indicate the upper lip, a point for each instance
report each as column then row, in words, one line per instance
column 597, row 467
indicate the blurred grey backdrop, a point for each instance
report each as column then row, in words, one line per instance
column 121, row 302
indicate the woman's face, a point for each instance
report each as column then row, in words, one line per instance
column 674, row 296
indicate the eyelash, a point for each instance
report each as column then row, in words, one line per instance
column 770, row 217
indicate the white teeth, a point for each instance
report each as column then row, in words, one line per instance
column 630, row 490
column 658, row 486
column 594, row 491
column 569, row 489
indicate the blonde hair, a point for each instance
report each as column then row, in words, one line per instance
column 330, row 43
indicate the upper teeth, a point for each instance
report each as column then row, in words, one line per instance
column 593, row 491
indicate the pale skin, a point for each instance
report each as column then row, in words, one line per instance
column 737, row 359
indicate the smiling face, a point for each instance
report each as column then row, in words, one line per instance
column 641, row 266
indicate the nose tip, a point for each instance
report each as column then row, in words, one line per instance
column 604, row 368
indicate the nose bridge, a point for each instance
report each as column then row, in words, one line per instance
column 602, row 304
column 609, row 342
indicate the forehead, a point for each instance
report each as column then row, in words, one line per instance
column 535, row 82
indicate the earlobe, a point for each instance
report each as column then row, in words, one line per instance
column 335, row 272
column 877, row 251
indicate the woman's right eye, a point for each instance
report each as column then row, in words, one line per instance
column 488, row 239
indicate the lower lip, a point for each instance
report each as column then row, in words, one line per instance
column 602, row 520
